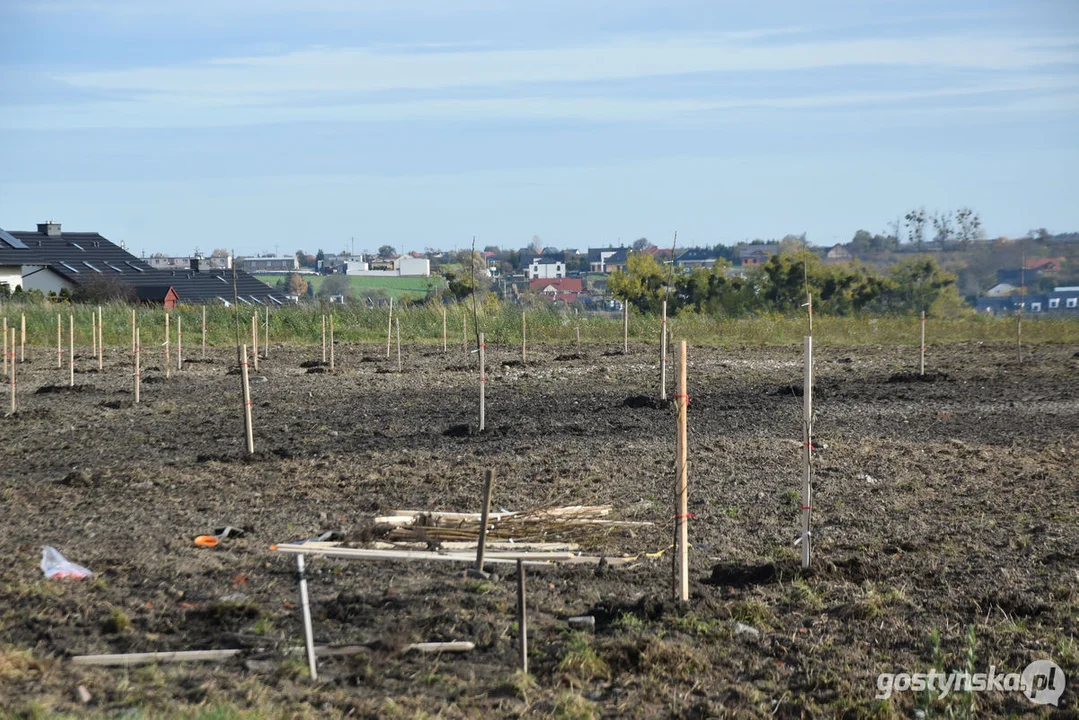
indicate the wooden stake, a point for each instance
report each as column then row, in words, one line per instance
column 93, row 336
column 663, row 355
column 179, row 343
column 389, row 330
column 126, row 659
column 397, row 323
column 522, row 615
column 578, row 338
column 443, row 329
column 524, row 333
column 168, row 346
column 204, row 332
column 682, row 482
column 323, row 339
column 4, row 332
column 625, row 328
column 266, row 339
column 12, row 371
column 464, row 333
column 22, row 339
column 134, row 326
column 481, row 546
column 100, row 340
column 308, row 633
column 1019, row 333
column 71, row 348
column 255, row 339
column 807, row 452
column 331, row 343
column 59, row 343
column 921, row 364
column 138, row 365
column 248, row 430
column 483, row 383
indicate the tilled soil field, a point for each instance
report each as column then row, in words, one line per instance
column 946, row 530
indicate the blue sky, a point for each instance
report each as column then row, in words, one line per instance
column 264, row 125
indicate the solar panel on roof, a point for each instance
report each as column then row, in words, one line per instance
column 90, row 266
column 13, row 241
column 76, row 245
column 135, row 267
column 68, row 267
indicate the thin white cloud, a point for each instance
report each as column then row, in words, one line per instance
column 173, row 111
column 358, row 70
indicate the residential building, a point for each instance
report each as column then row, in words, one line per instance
column 1001, row 290
column 837, row 255
column 563, row 289
column 754, row 255
column 598, row 257
column 188, row 262
column 547, row 267
column 270, row 264
column 698, row 258
column 1047, row 266
column 408, row 266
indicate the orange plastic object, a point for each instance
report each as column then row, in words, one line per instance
column 207, row 541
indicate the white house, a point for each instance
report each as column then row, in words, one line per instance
column 547, row 267
column 408, row 266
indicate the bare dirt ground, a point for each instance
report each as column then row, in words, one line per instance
column 943, row 506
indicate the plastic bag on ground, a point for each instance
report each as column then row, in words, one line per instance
column 56, row 566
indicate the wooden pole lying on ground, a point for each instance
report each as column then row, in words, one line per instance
column 483, row 383
column 204, row 332
column 71, row 348
column 443, row 329
column 663, row 355
column 168, row 348
column 625, row 328
column 397, row 323
column 389, row 330
column 59, row 343
column 807, row 452
column 155, row 657
column 100, row 340
column 179, row 343
column 331, row 342
column 522, row 615
column 248, row 430
column 481, row 546
column 305, row 605
column 524, row 333
column 22, row 339
column 682, row 480
column 921, row 364
column 138, row 365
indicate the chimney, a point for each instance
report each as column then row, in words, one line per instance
column 49, row 228
column 195, row 264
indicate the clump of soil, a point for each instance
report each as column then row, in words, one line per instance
column 913, row 377
column 637, row 402
column 48, row 389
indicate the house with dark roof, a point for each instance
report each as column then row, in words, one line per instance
column 598, row 258
column 698, row 258
column 50, row 260
column 754, row 255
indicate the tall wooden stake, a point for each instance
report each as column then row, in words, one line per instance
column 134, row 332
column 248, row 430
column 443, row 329
column 397, row 323
column 71, row 348
column 389, row 330
column 663, row 355
column 266, row 339
column 4, row 332
column 522, row 615
column 59, row 343
column 464, row 334
column 625, row 328
column 22, row 339
column 12, row 371
column 203, row 332
column 331, row 343
column 807, row 452
column 168, row 346
column 137, row 352
column 483, row 383
column 255, row 339
column 524, row 341
column 682, row 481
column 324, row 360
column 1019, row 333
column 485, row 513
column 305, row 608
column 179, row 343
column 921, row 364
column 100, row 340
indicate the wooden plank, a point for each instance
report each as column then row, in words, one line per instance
column 539, row 558
column 437, row 647
column 156, row 657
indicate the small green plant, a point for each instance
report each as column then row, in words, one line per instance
column 580, row 664
column 752, row 612
column 118, row 622
column 630, row 622
column 479, row 587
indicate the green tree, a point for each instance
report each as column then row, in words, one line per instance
column 919, row 283
column 335, row 285
column 296, row 285
column 387, row 251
